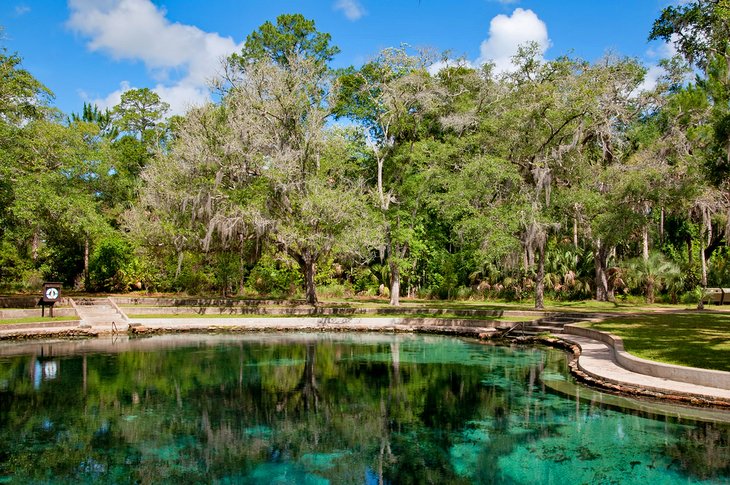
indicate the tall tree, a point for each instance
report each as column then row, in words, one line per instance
column 292, row 37
column 262, row 165
column 393, row 96
column 701, row 31
column 140, row 113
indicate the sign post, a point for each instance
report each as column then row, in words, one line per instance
column 51, row 294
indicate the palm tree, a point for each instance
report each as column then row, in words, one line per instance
column 653, row 273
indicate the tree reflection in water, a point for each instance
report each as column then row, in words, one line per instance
column 317, row 408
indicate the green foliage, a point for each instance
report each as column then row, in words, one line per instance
column 274, row 276
column 112, row 265
column 443, row 186
column 13, row 266
column 365, row 279
column 292, row 36
column 654, row 274
column 22, row 96
column 718, row 274
column 140, row 113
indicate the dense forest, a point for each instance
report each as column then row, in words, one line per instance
column 563, row 179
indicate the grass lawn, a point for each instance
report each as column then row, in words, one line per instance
column 699, row 339
column 524, row 305
column 9, row 321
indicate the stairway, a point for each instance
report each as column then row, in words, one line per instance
column 100, row 314
column 552, row 323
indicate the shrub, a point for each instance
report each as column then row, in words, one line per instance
column 111, row 265
column 276, row 277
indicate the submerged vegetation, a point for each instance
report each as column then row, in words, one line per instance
column 559, row 178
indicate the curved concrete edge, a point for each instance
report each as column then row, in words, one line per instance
column 689, row 375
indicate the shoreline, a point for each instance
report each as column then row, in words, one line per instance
column 671, row 392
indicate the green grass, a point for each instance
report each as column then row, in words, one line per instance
column 699, row 339
column 524, row 305
column 9, row 321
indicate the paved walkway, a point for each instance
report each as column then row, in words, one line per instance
column 596, row 359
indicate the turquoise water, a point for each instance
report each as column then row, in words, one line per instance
column 332, row 408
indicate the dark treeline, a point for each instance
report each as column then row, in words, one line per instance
column 562, row 178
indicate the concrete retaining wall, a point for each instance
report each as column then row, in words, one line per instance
column 36, row 312
column 26, row 301
column 690, row 375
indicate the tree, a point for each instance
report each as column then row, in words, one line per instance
column 293, row 36
column 701, row 32
column 91, row 114
column 262, row 165
column 700, row 29
column 392, row 97
column 652, row 272
column 140, row 113
column 22, row 96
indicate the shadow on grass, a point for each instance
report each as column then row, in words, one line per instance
column 696, row 340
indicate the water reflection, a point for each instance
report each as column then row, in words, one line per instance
column 291, row 408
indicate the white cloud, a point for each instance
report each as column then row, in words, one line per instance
column 508, row 33
column 181, row 97
column 21, row 10
column 181, row 57
column 110, row 100
column 351, row 8
column 664, row 50
column 437, row 66
column 651, row 79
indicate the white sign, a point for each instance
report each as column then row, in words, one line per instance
column 52, row 293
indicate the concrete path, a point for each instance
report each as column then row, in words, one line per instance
column 596, row 360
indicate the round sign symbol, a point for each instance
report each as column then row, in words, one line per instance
column 52, row 293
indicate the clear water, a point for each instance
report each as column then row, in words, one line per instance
column 323, row 408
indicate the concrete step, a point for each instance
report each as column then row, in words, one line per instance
column 98, row 312
column 543, row 328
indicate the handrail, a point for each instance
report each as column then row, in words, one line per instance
column 518, row 324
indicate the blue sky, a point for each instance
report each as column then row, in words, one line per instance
column 91, row 50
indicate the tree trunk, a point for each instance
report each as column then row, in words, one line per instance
column 600, row 256
column 575, row 232
column 690, row 256
column 178, row 270
column 394, row 282
column 540, row 279
column 650, row 291
column 645, row 243
column 308, row 267
column 661, row 227
column 86, row 263
column 35, row 245
column 703, row 282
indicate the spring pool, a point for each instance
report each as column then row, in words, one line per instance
column 332, row 408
